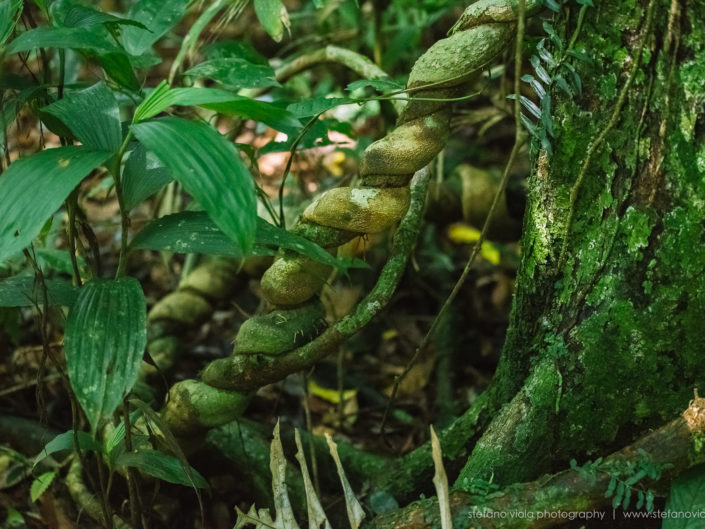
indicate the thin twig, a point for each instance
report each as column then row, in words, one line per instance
column 29, row 384
column 287, row 169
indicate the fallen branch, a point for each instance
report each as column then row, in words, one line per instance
column 540, row 504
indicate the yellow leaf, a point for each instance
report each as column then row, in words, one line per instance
column 333, row 162
column 461, row 233
column 490, row 252
column 330, row 395
column 389, row 334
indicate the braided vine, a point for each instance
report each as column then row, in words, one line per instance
column 388, row 164
column 212, row 282
column 269, row 346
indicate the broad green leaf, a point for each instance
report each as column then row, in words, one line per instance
column 82, row 16
column 552, row 5
column 118, row 433
column 276, row 117
column 92, row 115
column 529, row 125
column 687, row 496
column 15, row 467
column 540, row 70
column 235, row 73
column 96, row 39
column 106, row 333
column 23, row 291
column 272, row 236
column 33, row 188
column 14, row 518
column 563, row 85
column 10, row 11
column 118, row 67
column 546, row 118
column 143, row 175
column 224, row 49
column 162, row 97
column 574, row 77
column 210, row 169
column 529, row 105
column 186, row 232
column 195, row 232
column 273, row 16
column 577, row 54
column 55, row 259
column 157, row 15
column 156, row 420
column 545, row 55
column 67, row 441
column 317, row 105
column 41, row 484
column 153, row 104
column 163, row 466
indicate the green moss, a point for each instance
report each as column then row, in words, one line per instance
column 621, row 319
column 194, row 407
column 637, row 226
column 608, row 90
column 324, row 236
column 280, row 330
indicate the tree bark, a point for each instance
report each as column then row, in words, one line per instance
column 605, row 339
column 550, row 500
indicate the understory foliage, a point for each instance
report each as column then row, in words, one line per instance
column 174, row 171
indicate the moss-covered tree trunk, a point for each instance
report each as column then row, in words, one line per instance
column 606, row 338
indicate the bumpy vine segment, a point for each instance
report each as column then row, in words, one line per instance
column 293, row 281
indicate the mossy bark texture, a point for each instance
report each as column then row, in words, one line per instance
column 605, row 339
column 672, row 448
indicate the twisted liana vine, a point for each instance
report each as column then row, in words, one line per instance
column 190, row 305
column 270, row 346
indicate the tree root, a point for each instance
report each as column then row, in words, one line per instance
column 672, row 448
column 405, row 477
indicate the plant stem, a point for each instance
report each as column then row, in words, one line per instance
column 292, row 152
column 132, row 478
column 71, row 206
column 104, row 505
column 115, row 170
